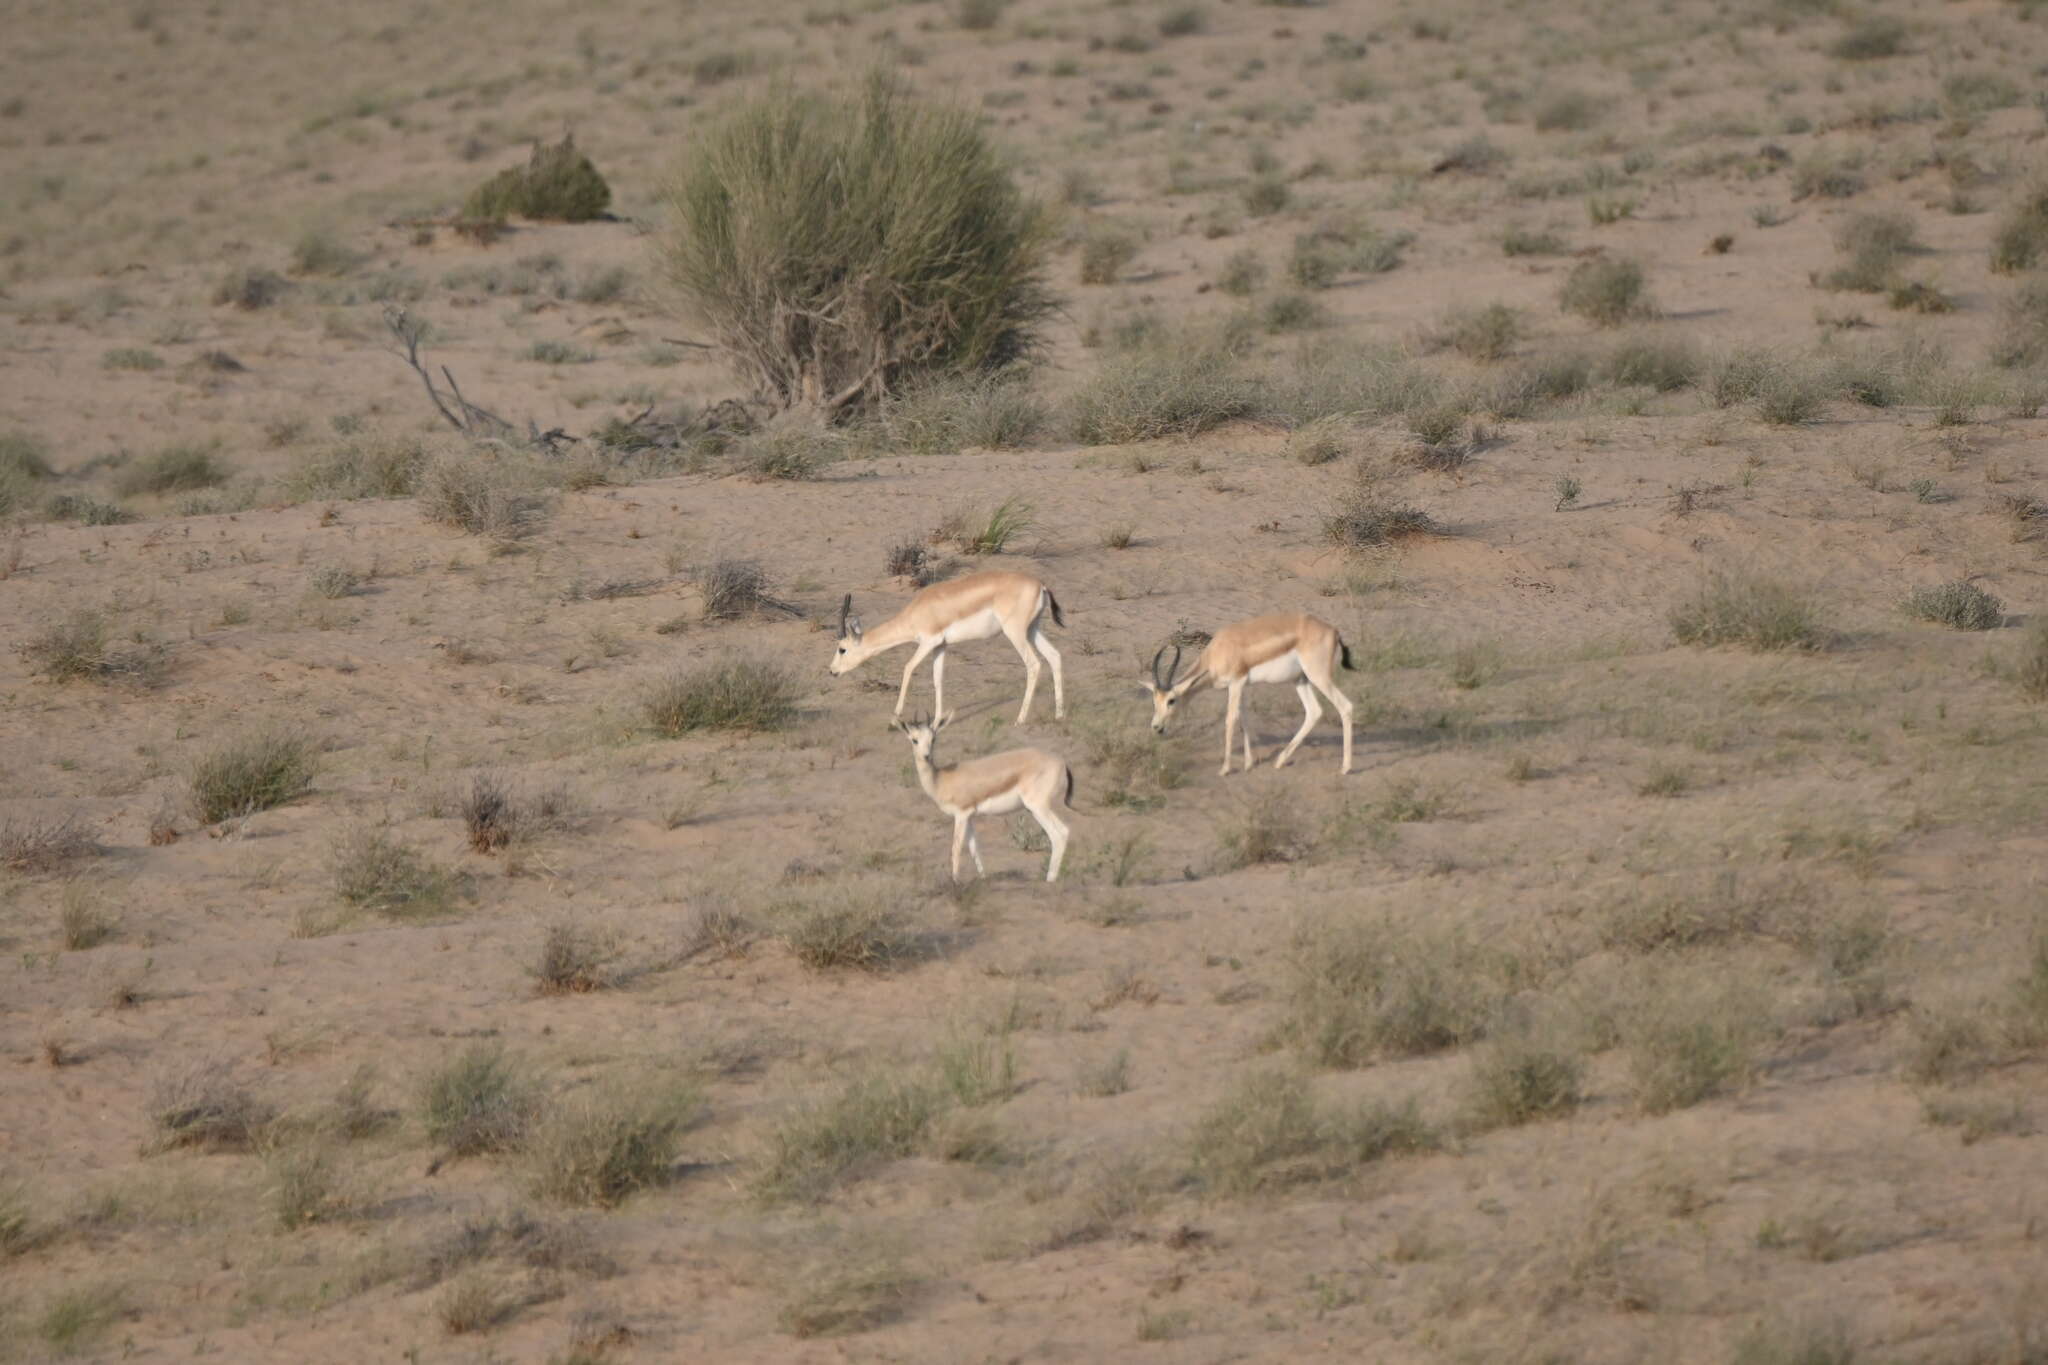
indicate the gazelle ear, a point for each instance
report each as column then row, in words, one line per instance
column 853, row 626
column 941, row 722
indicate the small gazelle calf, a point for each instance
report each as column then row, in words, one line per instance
column 1028, row 779
column 1288, row 647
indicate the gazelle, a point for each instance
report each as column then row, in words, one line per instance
column 1288, row 647
column 1030, row 779
column 1013, row 605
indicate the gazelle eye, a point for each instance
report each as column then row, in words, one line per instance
column 1169, row 701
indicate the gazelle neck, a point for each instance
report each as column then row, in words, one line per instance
column 927, row 773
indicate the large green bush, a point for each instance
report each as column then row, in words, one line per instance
column 557, row 182
column 838, row 246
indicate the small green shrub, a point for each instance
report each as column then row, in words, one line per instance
column 1176, row 386
column 1107, row 250
column 2021, row 240
column 844, row 929
column 478, row 1101
column 1364, row 989
column 874, row 1118
column 599, row 1148
column 1743, row 609
column 374, row 870
column 206, row 1105
column 250, row 774
column 1487, row 333
column 557, row 182
column 174, row 469
column 1606, row 292
column 1522, row 1076
column 743, row 694
column 1866, row 39
column 1960, row 604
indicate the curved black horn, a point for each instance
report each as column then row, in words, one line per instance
column 1173, row 669
column 1158, row 681
column 845, row 610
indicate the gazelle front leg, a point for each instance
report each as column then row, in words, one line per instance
column 973, row 846
column 1230, row 715
column 1312, row 711
column 939, row 680
column 960, row 824
column 917, row 656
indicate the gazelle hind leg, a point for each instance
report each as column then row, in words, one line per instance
column 1230, row 723
column 1059, row 682
column 1312, row 711
column 1022, row 644
column 1055, row 833
column 1327, row 685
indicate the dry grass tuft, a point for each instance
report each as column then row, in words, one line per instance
column 600, row 1148
column 1747, row 610
column 1363, row 989
column 79, row 648
column 33, row 844
column 374, row 870
column 479, row 1101
column 743, row 694
column 844, row 928
column 574, row 959
column 206, row 1104
column 875, row 1118
column 251, row 774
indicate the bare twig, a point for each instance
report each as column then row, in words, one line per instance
column 465, row 416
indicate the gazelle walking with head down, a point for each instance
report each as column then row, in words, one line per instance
column 1013, row 605
column 1026, row 779
column 1287, row 647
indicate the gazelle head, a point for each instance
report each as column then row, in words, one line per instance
column 1162, row 690
column 923, row 733
column 848, row 653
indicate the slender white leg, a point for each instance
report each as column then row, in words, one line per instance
column 917, row 656
column 974, row 847
column 959, row 838
column 1059, row 683
column 1055, row 831
column 1230, row 723
column 1343, row 705
column 1032, row 669
column 1312, row 712
column 939, row 681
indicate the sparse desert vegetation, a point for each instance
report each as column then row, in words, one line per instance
column 450, row 910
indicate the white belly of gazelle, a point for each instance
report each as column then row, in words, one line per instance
column 1285, row 668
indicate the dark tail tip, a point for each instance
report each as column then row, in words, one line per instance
column 1345, row 651
column 1054, row 603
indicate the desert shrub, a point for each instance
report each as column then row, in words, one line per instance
column 1918, row 296
column 496, row 813
column 1796, row 1343
column 1341, row 378
column 794, row 451
column 572, row 960
column 318, row 251
column 334, row 581
column 1262, row 829
column 725, row 694
column 1960, row 604
column 24, row 457
column 1971, row 93
column 1827, row 176
column 895, row 220
column 1521, row 241
column 1565, row 111
column 136, row 358
column 1652, row 360
column 1291, row 312
column 482, row 492
column 478, row 1101
column 992, row 532
column 1606, row 292
column 1522, row 1075
column 1474, row 154
column 1176, row 386
column 1873, row 243
column 1877, row 35
column 600, row 1147
column 1487, row 333
column 843, row 928
column 1107, row 250
column 1367, row 516
column 174, row 469
column 947, row 413
column 375, row 870
column 253, row 773
column 2021, row 239
column 2022, row 341
column 1691, row 1041
column 87, row 511
column 1242, row 274
column 1363, row 989
column 1791, row 393
column 78, row 1315
column 249, row 289
column 557, row 182
column 734, row 589
column 304, row 1187
column 18, row 1229
column 206, row 1104
column 874, row 1118
column 475, row 1302
column 977, row 1070
column 366, row 467
column 43, row 845
column 1321, row 441
column 1744, row 609
column 1517, row 390
column 1270, row 1132
column 2030, row 665
column 866, row 1290
column 80, row 648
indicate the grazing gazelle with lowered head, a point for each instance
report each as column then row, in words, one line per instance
column 1013, row 605
column 1287, row 647
column 1021, row 779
